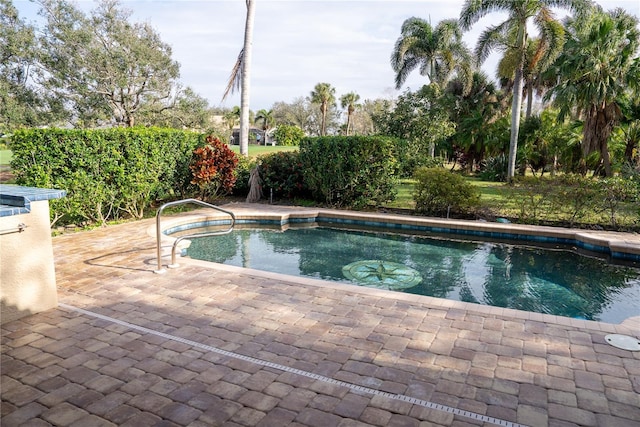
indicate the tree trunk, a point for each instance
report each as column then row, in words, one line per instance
column 323, row 124
column 246, row 80
column 529, row 101
column 516, row 106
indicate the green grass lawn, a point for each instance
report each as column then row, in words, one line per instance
column 257, row 150
column 5, row 157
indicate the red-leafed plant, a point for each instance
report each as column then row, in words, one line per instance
column 213, row 168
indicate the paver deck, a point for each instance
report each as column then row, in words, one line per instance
column 223, row 346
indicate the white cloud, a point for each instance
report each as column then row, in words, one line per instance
column 297, row 43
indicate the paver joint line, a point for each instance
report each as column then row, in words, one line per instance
column 401, row 397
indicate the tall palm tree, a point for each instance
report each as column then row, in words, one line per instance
column 349, row 101
column 437, row 52
column 538, row 59
column 325, row 95
column 598, row 69
column 240, row 78
column 515, row 29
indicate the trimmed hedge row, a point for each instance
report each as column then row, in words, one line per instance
column 107, row 173
column 340, row 171
column 110, row 174
column 349, row 171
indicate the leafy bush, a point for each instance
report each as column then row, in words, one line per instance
column 534, row 200
column 282, row 173
column 412, row 155
column 288, row 135
column 212, row 168
column 441, row 192
column 494, row 169
column 242, row 174
column 614, row 192
column 349, row 171
column 571, row 198
column 107, row 172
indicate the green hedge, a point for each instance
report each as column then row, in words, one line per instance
column 282, row 175
column 107, row 173
column 349, row 171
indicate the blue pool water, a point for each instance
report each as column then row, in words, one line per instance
column 553, row 281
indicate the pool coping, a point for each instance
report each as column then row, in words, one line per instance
column 624, row 246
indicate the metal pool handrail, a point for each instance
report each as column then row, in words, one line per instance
column 179, row 239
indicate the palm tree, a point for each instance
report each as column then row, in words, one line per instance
column 240, row 78
column 266, row 117
column 597, row 70
column 325, row 95
column 437, row 52
column 514, row 29
column 349, row 101
column 476, row 112
column 231, row 117
column 538, row 58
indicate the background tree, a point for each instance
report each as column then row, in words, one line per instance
column 514, row 29
column 630, row 130
column 538, row 58
column 297, row 113
column 105, row 68
column 324, row 95
column 240, row 78
column 420, row 121
column 436, row 52
column 476, row 113
column 598, row 67
column 187, row 110
column 20, row 102
column 266, row 118
column 349, row 101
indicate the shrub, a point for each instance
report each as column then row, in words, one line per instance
column 571, row 197
column 242, row 173
column 213, row 168
column 574, row 196
column 441, row 192
column 282, row 173
column 616, row 191
column 349, row 171
column 494, row 169
column 288, row 135
column 533, row 200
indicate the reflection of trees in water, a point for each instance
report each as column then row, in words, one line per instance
column 217, row 248
column 323, row 253
column 562, row 284
column 495, row 274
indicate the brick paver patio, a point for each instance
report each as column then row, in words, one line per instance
column 222, row 346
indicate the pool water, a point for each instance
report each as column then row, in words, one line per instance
column 552, row 281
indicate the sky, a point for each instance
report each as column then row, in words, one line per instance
column 296, row 43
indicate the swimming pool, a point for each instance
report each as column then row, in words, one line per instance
column 552, row 280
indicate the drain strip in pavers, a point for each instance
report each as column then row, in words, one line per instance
column 355, row 387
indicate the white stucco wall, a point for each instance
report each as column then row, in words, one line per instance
column 27, row 274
